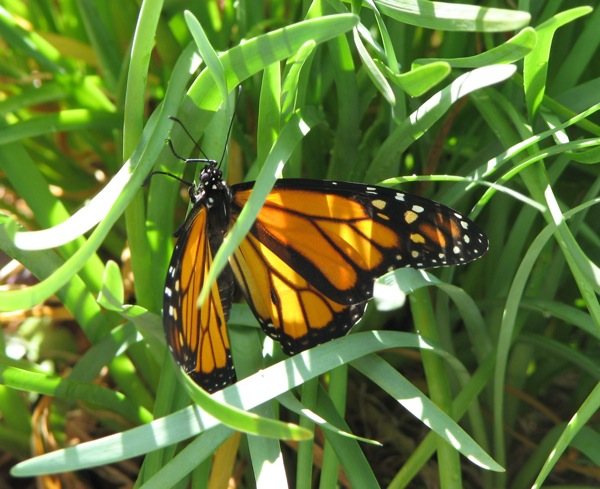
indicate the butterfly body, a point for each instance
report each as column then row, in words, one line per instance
column 198, row 337
column 306, row 267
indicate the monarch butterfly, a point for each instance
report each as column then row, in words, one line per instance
column 307, row 266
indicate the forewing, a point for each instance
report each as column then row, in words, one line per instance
column 197, row 337
column 339, row 237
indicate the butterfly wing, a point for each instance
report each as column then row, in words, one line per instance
column 310, row 260
column 289, row 309
column 196, row 336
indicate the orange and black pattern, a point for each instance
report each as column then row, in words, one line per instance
column 306, row 268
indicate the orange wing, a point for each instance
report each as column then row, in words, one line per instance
column 196, row 336
column 309, row 263
column 289, row 308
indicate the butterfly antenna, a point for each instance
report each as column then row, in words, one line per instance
column 237, row 103
column 169, row 174
column 206, row 159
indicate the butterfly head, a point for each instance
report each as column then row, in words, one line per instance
column 211, row 186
